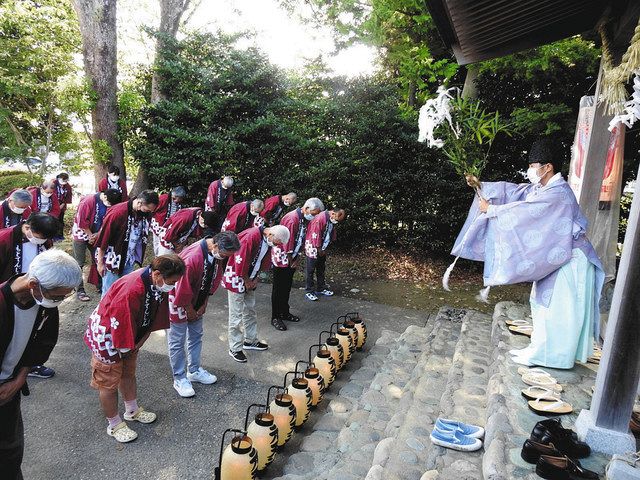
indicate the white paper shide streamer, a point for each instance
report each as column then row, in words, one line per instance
column 631, row 112
column 432, row 114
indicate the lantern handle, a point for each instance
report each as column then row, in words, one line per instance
column 319, row 345
column 235, row 430
column 278, row 387
column 246, row 418
column 311, row 364
column 285, row 378
column 330, row 332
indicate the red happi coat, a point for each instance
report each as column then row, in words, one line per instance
column 161, row 215
column 242, row 264
column 239, row 218
column 9, row 219
column 122, row 187
column 297, row 226
column 114, row 235
column 11, row 241
column 179, row 227
column 118, row 320
column 64, row 194
column 219, row 199
column 189, row 287
column 274, row 209
column 35, row 204
column 316, row 234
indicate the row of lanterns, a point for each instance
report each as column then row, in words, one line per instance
column 251, row 450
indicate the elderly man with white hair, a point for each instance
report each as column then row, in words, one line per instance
column 275, row 207
column 44, row 199
column 16, row 208
column 244, row 215
column 29, row 331
column 285, row 260
column 240, row 279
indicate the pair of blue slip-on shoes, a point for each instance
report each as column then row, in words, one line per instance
column 457, row 435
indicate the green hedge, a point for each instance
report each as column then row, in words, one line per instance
column 12, row 179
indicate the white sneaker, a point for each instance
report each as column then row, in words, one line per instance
column 202, row 376
column 184, row 388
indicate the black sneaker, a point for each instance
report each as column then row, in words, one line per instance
column 41, row 371
column 291, row 318
column 257, row 345
column 238, row 356
column 278, row 324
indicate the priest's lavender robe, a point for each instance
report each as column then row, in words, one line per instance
column 535, row 233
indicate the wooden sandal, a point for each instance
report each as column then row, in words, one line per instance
column 551, row 407
column 536, row 370
column 521, row 330
column 517, row 323
column 540, row 393
column 546, row 381
column 122, row 433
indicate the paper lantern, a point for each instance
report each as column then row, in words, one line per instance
column 360, row 327
column 335, row 348
column 301, row 396
column 264, row 434
column 239, row 461
column 343, row 336
column 325, row 364
column 284, row 415
column 353, row 331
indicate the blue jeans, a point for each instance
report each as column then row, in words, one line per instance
column 110, row 278
column 178, row 333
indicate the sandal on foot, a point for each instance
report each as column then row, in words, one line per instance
column 311, row 296
column 550, row 407
column 278, row 324
column 540, row 393
column 141, row 415
column 82, row 296
column 524, row 330
column 122, row 433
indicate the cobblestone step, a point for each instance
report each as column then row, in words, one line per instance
column 368, row 408
column 508, row 419
column 452, row 386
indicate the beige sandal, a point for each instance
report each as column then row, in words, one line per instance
column 550, row 407
column 523, row 330
column 538, row 380
column 141, row 416
column 518, row 323
column 540, row 393
column 122, row 433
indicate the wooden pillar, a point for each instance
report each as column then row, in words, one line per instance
column 617, row 380
column 595, row 161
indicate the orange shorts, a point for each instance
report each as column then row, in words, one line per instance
column 107, row 377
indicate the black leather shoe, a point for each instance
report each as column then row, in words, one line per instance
column 564, row 439
column 531, row 451
column 563, row 468
column 278, row 324
column 291, row 318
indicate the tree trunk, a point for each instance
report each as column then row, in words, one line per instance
column 469, row 89
column 170, row 14
column 97, row 19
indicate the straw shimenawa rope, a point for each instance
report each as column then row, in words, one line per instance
column 613, row 91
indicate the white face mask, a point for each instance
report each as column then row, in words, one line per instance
column 217, row 256
column 270, row 243
column 35, row 240
column 113, row 177
column 17, row 210
column 333, row 220
column 62, row 182
column 532, row 175
column 254, row 213
column 45, row 302
column 287, row 204
column 45, row 194
column 308, row 216
column 164, row 288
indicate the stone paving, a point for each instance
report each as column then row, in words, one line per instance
column 509, row 420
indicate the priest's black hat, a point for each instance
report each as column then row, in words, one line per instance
column 543, row 151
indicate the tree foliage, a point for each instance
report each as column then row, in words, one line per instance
column 37, row 43
column 346, row 141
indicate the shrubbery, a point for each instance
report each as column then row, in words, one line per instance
column 12, row 179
